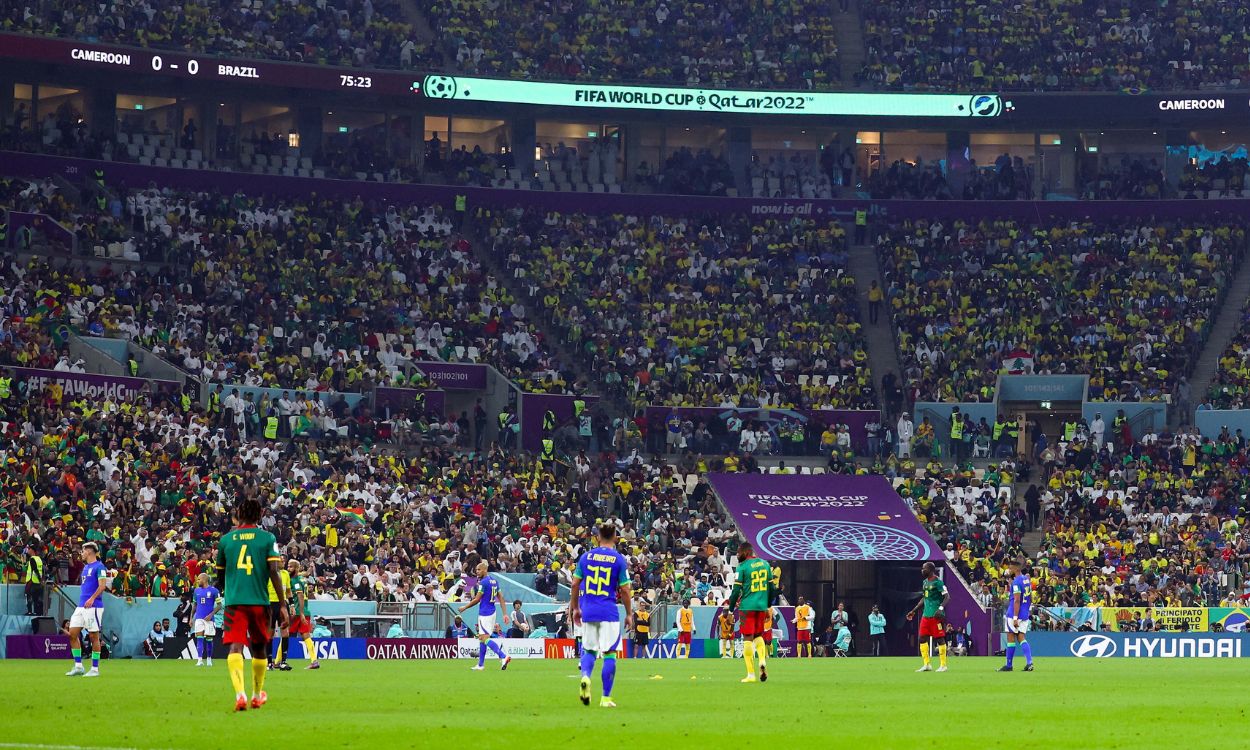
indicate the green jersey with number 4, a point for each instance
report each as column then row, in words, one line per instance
column 934, row 592
column 753, row 585
column 244, row 555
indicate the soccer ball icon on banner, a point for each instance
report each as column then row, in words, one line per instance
column 839, row 540
column 439, row 87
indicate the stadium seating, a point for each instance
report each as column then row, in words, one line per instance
column 1231, row 387
column 342, row 295
column 1057, row 46
column 338, row 32
column 691, row 311
column 787, row 44
column 1140, row 522
column 1127, row 302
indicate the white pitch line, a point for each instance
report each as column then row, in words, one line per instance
column 36, row 746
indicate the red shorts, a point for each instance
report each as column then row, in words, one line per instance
column 804, row 636
column 752, row 624
column 933, row 627
column 300, row 626
column 684, row 637
column 768, row 635
column 246, row 624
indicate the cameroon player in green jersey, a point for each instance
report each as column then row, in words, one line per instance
column 753, row 593
column 247, row 561
column 933, row 598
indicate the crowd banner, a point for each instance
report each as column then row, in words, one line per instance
column 1168, row 619
column 76, row 385
column 391, row 401
column 1228, row 619
column 454, row 376
column 1089, row 618
column 517, row 648
column 534, row 406
column 1105, row 645
column 412, row 648
column 36, row 647
column 856, row 420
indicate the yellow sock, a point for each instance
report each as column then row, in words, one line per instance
column 258, row 675
column 277, row 654
column 942, row 654
column 761, row 651
column 234, row 665
column 748, row 655
column 310, row 651
column 924, row 654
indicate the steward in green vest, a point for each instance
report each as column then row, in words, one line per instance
column 579, row 405
column 1069, row 431
column 6, row 388
column 186, row 402
column 549, row 450
column 133, row 364
column 271, row 428
column 549, row 421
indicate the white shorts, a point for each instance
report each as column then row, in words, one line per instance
column 601, row 637
column 87, row 618
column 486, row 625
column 1022, row 628
column 207, row 627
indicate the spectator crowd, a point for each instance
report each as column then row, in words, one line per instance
column 1128, row 302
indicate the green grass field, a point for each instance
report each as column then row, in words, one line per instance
column 879, row 704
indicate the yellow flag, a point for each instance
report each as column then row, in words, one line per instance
column 30, row 496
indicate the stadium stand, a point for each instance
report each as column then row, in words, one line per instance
column 787, row 44
column 338, row 32
column 1127, row 302
column 1066, row 45
column 687, row 311
column 345, row 294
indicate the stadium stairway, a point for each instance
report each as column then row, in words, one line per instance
column 568, row 354
column 1031, row 541
column 882, row 352
column 848, row 29
column 1222, row 332
column 420, row 24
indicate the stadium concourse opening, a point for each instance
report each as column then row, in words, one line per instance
column 851, row 540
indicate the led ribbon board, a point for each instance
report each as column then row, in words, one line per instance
column 660, row 99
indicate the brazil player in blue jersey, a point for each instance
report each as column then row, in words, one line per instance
column 207, row 602
column 601, row 575
column 489, row 601
column 1016, row 623
column 90, row 611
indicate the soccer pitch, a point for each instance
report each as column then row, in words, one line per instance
column 870, row 703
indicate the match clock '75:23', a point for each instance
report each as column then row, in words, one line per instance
column 356, row 82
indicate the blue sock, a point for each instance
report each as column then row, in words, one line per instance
column 199, row 647
column 609, row 673
column 208, row 647
column 95, row 659
column 496, row 649
column 1011, row 653
column 588, row 663
column 1027, row 651
column 481, row 653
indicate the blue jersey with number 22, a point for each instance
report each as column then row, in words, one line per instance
column 602, row 571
